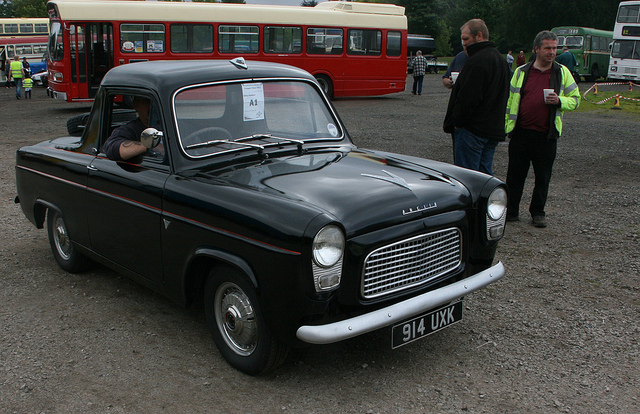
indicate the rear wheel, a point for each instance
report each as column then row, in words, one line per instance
column 325, row 84
column 235, row 320
column 67, row 257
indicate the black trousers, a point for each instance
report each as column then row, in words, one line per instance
column 530, row 147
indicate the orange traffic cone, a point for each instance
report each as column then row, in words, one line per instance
column 616, row 104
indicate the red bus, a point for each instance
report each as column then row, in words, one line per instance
column 353, row 49
column 31, row 47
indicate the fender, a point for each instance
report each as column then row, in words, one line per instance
column 229, row 259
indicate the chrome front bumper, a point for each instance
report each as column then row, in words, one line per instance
column 349, row 328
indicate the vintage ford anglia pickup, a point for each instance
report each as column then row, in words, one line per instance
column 252, row 199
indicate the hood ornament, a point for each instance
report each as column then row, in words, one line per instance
column 391, row 178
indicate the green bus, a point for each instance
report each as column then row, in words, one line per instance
column 589, row 46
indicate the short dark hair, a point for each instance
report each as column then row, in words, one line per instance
column 476, row 25
column 543, row 35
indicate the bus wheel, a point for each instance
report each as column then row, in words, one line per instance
column 325, row 84
column 595, row 73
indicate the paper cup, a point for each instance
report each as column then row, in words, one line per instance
column 454, row 76
column 546, row 93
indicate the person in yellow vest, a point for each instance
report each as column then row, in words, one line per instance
column 541, row 91
column 17, row 73
column 27, row 84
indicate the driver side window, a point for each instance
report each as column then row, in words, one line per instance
column 127, row 116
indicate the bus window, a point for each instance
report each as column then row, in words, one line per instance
column 41, row 28
column 573, row 42
column 282, row 39
column 24, row 50
column 10, row 28
column 629, row 13
column 626, row 49
column 142, row 38
column 191, row 38
column 39, row 49
column 364, row 42
column 238, row 39
column 394, row 43
column 26, row 28
column 56, row 45
column 324, row 41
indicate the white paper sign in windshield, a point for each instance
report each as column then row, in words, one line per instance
column 253, row 97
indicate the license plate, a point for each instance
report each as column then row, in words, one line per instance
column 423, row 325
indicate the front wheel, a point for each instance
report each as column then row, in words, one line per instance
column 67, row 257
column 236, row 323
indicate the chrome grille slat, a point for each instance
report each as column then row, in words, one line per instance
column 411, row 262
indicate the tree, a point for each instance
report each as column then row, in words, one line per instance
column 309, row 3
column 28, row 8
column 443, row 43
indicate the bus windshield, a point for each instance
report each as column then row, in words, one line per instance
column 572, row 42
column 56, row 47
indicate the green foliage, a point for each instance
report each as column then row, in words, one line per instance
column 26, row 8
column 443, row 40
column 309, row 3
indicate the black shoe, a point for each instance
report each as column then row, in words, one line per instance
column 539, row 221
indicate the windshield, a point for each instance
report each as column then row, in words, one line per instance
column 572, row 42
column 626, row 49
column 219, row 118
column 56, row 46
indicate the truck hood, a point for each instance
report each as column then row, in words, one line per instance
column 361, row 189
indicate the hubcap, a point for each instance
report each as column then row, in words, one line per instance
column 61, row 239
column 236, row 319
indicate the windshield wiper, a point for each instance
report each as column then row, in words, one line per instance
column 222, row 141
column 298, row 142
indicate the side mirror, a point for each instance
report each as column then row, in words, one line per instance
column 150, row 137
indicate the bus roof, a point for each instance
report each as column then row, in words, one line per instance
column 577, row 30
column 334, row 13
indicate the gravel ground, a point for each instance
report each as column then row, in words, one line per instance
column 558, row 334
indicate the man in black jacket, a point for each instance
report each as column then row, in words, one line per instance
column 475, row 115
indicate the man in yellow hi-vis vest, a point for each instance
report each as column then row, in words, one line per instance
column 539, row 94
column 17, row 73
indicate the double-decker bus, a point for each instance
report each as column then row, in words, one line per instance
column 625, row 52
column 589, row 46
column 31, row 47
column 353, row 49
column 24, row 26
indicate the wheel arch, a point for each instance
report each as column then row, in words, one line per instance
column 204, row 259
column 40, row 208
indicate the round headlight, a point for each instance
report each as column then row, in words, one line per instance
column 497, row 203
column 328, row 246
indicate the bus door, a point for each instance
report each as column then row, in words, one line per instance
column 587, row 53
column 91, row 53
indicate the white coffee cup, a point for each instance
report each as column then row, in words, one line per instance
column 454, row 76
column 546, row 93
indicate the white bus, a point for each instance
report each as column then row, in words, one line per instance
column 625, row 51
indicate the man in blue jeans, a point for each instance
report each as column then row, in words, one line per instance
column 475, row 115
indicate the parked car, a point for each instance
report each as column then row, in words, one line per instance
column 40, row 78
column 256, row 202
